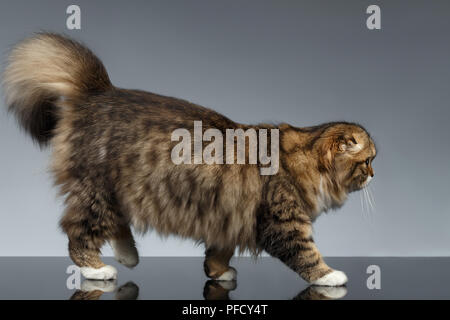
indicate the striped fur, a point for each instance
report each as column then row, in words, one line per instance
column 111, row 159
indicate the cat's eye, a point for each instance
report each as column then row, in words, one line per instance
column 367, row 161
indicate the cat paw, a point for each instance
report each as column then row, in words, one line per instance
column 229, row 275
column 333, row 279
column 103, row 273
column 125, row 253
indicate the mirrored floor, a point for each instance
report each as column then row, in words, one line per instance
column 263, row 278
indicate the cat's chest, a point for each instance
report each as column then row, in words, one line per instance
column 324, row 200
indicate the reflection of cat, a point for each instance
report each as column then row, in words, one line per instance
column 111, row 157
column 94, row 289
column 219, row 290
column 321, row 293
column 213, row 290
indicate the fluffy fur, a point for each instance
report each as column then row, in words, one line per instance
column 111, row 158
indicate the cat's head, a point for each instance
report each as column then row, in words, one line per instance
column 341, row 153
column 346, row 154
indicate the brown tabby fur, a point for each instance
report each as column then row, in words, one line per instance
column 111, row 159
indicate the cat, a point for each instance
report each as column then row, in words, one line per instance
column 111, row 158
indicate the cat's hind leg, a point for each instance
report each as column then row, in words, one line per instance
column 89, row 221
column 88, row 259
column 217, row 266
column 124, row 247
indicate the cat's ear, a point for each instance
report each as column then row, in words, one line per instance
column 347, row 143
column 333, row 145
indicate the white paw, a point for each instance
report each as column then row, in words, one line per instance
column 228, row 275
column 333, row 279
column 331, row 292
column 103, row 273
column 125, row 252
column 94, row 285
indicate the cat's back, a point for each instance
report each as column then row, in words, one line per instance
column 116, row 127
column 126, row 108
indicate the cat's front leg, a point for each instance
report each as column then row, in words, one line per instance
column 285, row 232
column 291, row 242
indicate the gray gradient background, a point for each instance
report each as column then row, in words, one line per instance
column 304, row 62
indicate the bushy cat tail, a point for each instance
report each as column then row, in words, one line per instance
column 44, row 73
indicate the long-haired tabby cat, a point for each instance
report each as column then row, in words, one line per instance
column 112, row 161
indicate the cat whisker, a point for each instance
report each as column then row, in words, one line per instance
column 369, row 197
column 372, row 197
column 362, row 203
column 365, row 201
column 366, row 198
column 368, row 202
